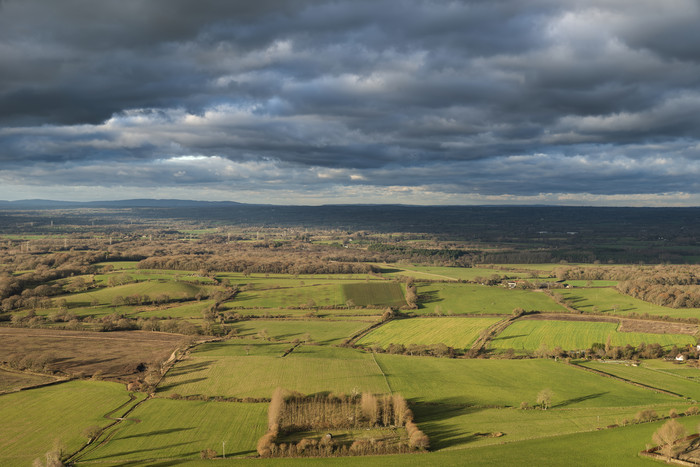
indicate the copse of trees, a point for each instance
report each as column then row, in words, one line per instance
column 293, row 412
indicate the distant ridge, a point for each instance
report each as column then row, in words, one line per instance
column 127, row 203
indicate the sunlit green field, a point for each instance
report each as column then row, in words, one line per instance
column 684, row 380
column 480, row 299
column 320, row 331
column 308, row 296
column 445, row 273
column 611, row 301
column 307, row 370
column 175, row 290
column 198, row 425
column 454, row 332
column 529, row 335
column 507, row 383
column 31, row 421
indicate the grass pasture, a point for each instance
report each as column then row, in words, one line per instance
column 608, row 300
column 528, row 335
column 597, row 283
column 493, row 382
column 320, row 331
column 374, row 293
column 186, row 310
column 456, row 427
column 454, row 332
column 480, row 299
column 198, row 425
column 30, row 421
column 258, row 376
column 310, row 296
column 445, row 273
column 685, row 382
column 175, row 290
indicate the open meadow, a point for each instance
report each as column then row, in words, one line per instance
column 152, row 433
column 609, row 300
column 480, row 299
column 530, row 335
column 454, row 332
column 32, row 421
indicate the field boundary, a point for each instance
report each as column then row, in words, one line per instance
column 116, row 421
column 628, row 381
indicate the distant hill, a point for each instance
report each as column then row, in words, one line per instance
column 127, row 203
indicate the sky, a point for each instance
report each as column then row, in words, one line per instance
column 352, row 101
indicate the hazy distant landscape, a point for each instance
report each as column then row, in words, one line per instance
column 150, row 334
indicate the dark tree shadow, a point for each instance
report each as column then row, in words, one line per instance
column 576, row 400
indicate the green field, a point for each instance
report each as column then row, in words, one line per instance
column 453, row 427
column 579, row 284
column 320, row 331
column 604, row 448
column 480, row 299
column 374, row 294
column 446, row 273
column 307, row 296
column 454, row 332
column 576, row 335
column 307, row 370
column 684, row 381
column 30, row 421
column 197, row 426
column 507, row 383
column 187, row 310
column 175, row 290
column 611, row 301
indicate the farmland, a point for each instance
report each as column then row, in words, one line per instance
column 194, row 325
column 14, row 380
column 117, row 355
column 571, row 335
column 454, row 332
column 607, row 300
column 507, row 383
column 65, row 411
column 197, row 426
column 343, row 371
column 479, row 299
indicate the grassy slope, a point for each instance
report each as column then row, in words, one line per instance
column 176, row 291
column 606, row 299
column 31, row 420
column 454, row 332
column 605, row 448
column 469, row 298
column 320, row 295
column 197, row 426
column 687, row 383
column 572, row 335
column 507, row 382
column 309, row 371
column 321, row 331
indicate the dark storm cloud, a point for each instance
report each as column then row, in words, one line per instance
column 473, row 97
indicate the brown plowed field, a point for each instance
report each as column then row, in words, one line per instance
column 113, row 355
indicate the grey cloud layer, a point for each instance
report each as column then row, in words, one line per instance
column 479, row 97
